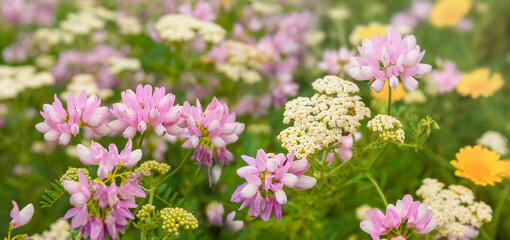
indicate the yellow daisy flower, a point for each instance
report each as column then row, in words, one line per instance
column 479, row 164
column 448, row 13
column 371, row 30
column 479, row 83
column 397, row 94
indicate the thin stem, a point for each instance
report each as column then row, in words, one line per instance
column 163, row 200
column 151, row 199
column 178, row 167
column 192, row 184
column 497, row 214
column 369, row 177
column 9, row 234
column 79, row 138
column 141, row 140
column 389, row 100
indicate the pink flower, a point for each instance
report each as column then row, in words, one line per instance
column 416, row 216
column 335, row 62
column 143, row 108
column 59, row 123
column 108, row 159
column 446, row 79
column 344, row 152
column 276, row 171
column 233, row 225
column 210, row 131
column 471, row 233
column 203, row 10
column 21, row 218
column 215, row 213
column 389, row 58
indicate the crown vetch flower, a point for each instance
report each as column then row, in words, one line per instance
column 400, row 220
column 59, row 123
column 210, row 131
column 479, row 164
column 143, row 108
column 447, row 79
column 335, row 62
column 389, row 58
column 108, row 159
column 21, row 218
column 266, row 175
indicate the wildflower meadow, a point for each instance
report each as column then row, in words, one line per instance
column 259, row 119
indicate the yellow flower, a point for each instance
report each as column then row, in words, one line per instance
column 396, row 94
column 369, row 31
column 479, row 83
column 506, row 164
column 448, row 13
column 479, row 164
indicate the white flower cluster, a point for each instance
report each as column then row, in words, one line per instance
column 242, row 62
column 454, row 208
column 84, row 81
column 119, row 65
column 361, row 212
column 495, row 141
column 59, row 230
column 14, row 80
column 387, row 128
column 323, row 119
column 183, row 28
column 129, row 25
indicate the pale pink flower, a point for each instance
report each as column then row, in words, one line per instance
column 233, row 225
column 416, row 215
column 447, row 78
column 344, row 152
column 336, row 62
column 143, row 108
column 59, row 123
column 21, row 218
column 210, row 131
column 215, row 213
column 265, row 198
column 203, row 10
column 389, row 58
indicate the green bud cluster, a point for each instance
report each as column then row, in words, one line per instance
column 144, row 214
column 72, row 174
column 175, row 219
column 153, row 165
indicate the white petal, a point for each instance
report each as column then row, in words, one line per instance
column 281, row 197
column 249, row 191
column 305, row 182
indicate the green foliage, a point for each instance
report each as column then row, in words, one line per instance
column 51, row 196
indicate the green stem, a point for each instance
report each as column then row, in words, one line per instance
column 141, row 140
column 192, row 185
column 497, row 214
column 9, row 234
column 389, row 100
column 79, row 138
column 151, row 199
column 371, row 163
column 369, row 177
column 178, row 167
column 163, row 200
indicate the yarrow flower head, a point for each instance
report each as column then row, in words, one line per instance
column 480, row 83
column 182, row 28
column 323, row 119
column 175, row 219
column 389, row 58
column 400, row 221
column 266, row 176
column 209, row 131
column 387, row 128
column 479, row 164
column 459, row 216
column 59, row 123
column 495, row 141
column 143, row 108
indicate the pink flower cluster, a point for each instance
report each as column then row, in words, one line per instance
column 143, row 108
column 21, row 12
column 446, row 79
column 266, row 175
column 389, row 58
column 210, row 131
column 94, row 62
column 410, row 18
column 100, row 210
column 414, row 216
column 203, row 10
column 336, row 62
column 107, row 160
column 59, row 123
column 215, row 212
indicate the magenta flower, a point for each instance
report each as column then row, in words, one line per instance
column 275, row 171
column 389, row 58
column 108, row 159
column 215, row 213
column 210, row 131
column 21, row 218
column 400, row 221
column 336, row 62
column 446, row 79
column 143, row 108
column 59, row 123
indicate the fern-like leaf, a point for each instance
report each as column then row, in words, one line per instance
column 51, row 196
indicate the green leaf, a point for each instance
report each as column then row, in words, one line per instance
column 51, row 196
